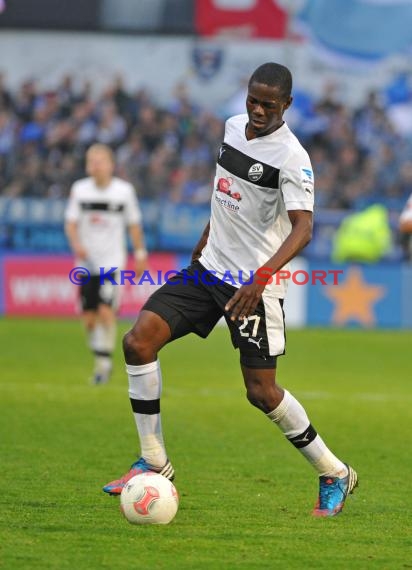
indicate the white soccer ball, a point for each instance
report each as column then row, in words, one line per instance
column 149, row 498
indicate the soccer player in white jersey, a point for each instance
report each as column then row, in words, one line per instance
column 261, row 217
column 100, row 210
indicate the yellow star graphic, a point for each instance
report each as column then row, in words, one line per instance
column 354, row 299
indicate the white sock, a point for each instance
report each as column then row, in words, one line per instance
column 108, row 337
column 145, row 387
column 102, row 340
column 291, row 418
column 93, row 337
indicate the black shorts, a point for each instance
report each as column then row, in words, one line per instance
column 194, row 301
column 93, row 293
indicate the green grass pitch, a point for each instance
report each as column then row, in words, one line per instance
column 245, row 493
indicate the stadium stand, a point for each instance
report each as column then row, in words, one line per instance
column 167, row 152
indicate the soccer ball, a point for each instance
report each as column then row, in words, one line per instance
column 149, row 498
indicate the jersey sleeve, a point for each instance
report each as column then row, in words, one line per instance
column 133, row 212
column 406, row 214
column 72, row 212
column 297, row 182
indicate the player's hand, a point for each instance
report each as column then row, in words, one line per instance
column 244, row 301
column 141, row 267
column 80, row 252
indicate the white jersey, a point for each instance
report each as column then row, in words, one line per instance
column 257, row 181
column 103, row 215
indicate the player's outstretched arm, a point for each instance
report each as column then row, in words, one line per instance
column 139, row 248
column 244, row 301
column 74, row 241
column 197, row 251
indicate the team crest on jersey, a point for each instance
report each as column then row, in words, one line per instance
column 255, row 172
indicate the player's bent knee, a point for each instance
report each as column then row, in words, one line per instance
column 135, row 349
column 142, row 342
column 260, row 400
column 253, row 398
column 261, row 389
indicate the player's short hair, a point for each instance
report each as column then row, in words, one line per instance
column 274, row 75
column 100, row 147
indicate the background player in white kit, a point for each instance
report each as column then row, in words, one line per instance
column 101, row 209
column 261, row 217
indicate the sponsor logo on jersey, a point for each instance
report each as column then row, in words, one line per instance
column 255, row 172
column 307, row 172
column 224, row 185
column 96, row 218
column 306, row 175
column 230, row 201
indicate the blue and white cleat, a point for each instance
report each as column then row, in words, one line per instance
column 333, row 492
column 140, row 466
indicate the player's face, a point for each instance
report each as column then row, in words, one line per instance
column 265, row 106
column 99, row 165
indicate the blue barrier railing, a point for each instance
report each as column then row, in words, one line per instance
column 31, row 225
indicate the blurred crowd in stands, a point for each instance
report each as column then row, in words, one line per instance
column 360, row 156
